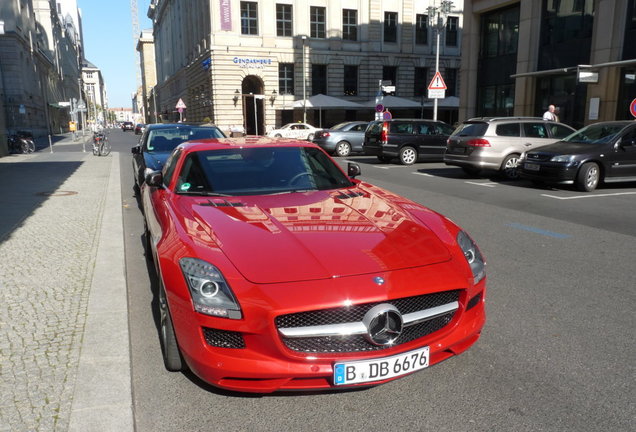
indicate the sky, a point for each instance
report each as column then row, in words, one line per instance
column 109, row 44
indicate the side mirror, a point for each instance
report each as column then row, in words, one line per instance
column 136, row 149
column 353, row 170
column 154, row 178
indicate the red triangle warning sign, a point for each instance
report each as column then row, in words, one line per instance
column 437, row 83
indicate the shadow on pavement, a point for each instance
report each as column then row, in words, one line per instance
column 24, row 186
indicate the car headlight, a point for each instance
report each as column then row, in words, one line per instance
column 210, row 293
column 562, row 158
column 473, row 256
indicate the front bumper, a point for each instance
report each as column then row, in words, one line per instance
column 264, row 363
column 549, row 173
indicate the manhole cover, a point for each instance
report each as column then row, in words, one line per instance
column 57, row 193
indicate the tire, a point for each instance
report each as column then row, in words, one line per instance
column 169, row 347
column 408, row 155
column 105, row 150
column 384, row 159
column 278, row 136
column 343, row 149
column 509, row 167
column 588, row 177
column 30, row 146
column 310, row 137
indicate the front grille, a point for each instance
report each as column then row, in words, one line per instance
column 356, row 343
column 223, row 338
column 538, row 157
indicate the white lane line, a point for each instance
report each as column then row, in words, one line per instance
column 423, row 174
column 482, row 184
column 589, row 196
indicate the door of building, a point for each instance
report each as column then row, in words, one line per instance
column 253, row 105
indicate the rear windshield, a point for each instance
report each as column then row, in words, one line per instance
column 471, row 129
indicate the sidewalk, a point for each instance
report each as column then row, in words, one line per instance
column 64, row 346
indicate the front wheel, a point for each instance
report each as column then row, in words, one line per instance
column 588, row 177
column 310, row 137
column 343, row 149
column 408, row 155
column 169, row 346
column 105, row 149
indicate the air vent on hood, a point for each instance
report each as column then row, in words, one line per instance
column 221, row 203
column 347, row 194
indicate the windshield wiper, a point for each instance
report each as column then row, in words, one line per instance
column 203, row 193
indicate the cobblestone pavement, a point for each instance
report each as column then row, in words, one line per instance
column 50, row 213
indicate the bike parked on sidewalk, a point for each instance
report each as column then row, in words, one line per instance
column 21, row 142
column 101, row 146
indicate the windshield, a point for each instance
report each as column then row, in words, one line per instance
column 259, row 171
column 595, row 134
column 166, row 139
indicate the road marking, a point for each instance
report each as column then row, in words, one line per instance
column 423, row 174
column 482, row 184
column 538, row 231
column 588, row 196
column 381, row 167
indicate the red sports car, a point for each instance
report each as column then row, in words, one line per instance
column 278, row 271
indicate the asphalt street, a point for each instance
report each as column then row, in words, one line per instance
column 556, row 353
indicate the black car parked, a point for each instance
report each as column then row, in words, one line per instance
column 408, row 139
column 604, row 151
column 158, row 141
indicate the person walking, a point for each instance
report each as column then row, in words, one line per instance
column 550, row 114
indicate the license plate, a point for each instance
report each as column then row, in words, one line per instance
column 531, row 166
column 458, row 150
column 362, row 371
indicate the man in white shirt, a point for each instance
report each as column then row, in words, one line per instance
column 549, row 114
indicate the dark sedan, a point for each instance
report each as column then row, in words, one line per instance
column 600, row 152
column 158, row 141
column 342, row 139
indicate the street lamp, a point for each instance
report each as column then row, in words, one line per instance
column 304, row 38
column 437, row 18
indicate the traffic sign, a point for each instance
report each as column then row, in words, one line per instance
column 180, row 104
column 437, row 83
column 436, row 94
column 386, row 115
column 632, row 107
column 379, row 108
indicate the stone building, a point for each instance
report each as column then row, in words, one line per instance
column 95, row 93
column 521, row 56
column 146, row 49
column 246, row 62
column 39, row 52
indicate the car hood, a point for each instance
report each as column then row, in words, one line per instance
column 155, row 160
column 569, row 148
column 313, row 235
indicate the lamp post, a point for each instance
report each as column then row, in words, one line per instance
column 437, row 17
column 304, row 38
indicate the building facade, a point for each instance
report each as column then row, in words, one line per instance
column 246, row 62
column 39, row 67
column 95, row 92
column 521, row 56
column 146, row 49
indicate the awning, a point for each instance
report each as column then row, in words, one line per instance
column 322, row 101
column 393, row 102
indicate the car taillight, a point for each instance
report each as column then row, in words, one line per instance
column 384, row 134
column 478, row 143
column 325, row 134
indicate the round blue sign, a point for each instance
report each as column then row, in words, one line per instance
column 386, row 115
column 379, row 108
column 632, row 108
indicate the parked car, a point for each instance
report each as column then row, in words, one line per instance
column 127, row 126
column 158, row 141
column 139, row 128
column 408, row 139
column 295, row 130
column 271, row 279
column 600, row 152
column 343, row 138
column 495, row 143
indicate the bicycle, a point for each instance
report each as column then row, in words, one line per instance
column 101, row 146
column 21, row 142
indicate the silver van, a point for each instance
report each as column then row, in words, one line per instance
column 495, row 143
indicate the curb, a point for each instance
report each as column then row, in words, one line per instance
column 102, row 400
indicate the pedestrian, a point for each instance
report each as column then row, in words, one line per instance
column 549, row 114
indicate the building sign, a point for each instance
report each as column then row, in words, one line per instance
column 247, row 62
column 226, row 15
